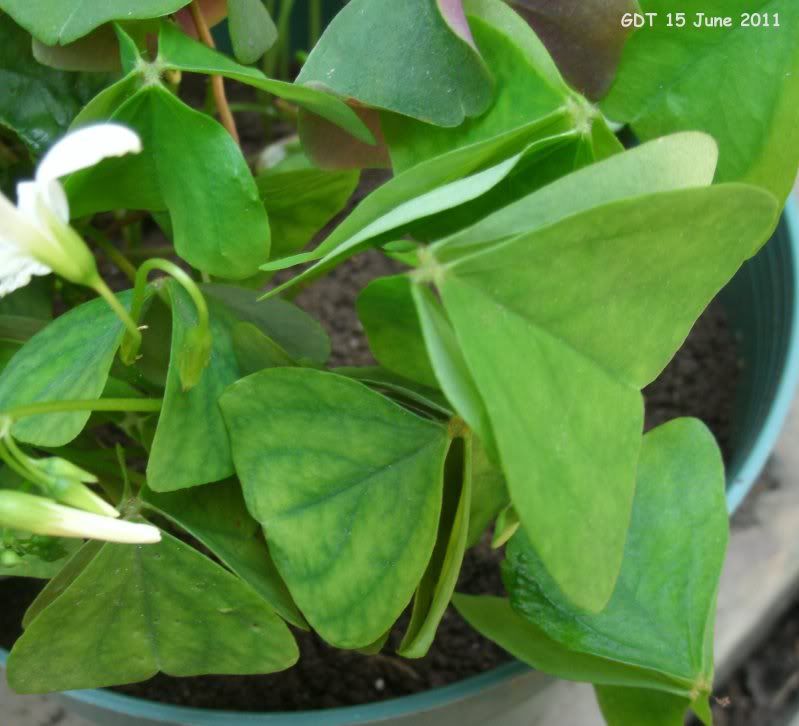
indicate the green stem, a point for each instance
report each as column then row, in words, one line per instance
column 284, row 40
column 140, row 405
column 314, row 22
column 128, row 318
column 12, row 463
column 113, row 254
column 130, row 345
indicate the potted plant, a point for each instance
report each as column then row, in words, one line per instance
column 234, row 489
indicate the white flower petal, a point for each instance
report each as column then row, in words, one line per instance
column 86, row 147
column 17, row 275
column 18, row 232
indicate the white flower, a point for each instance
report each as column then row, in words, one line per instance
column 35, row 236
column 39, row 515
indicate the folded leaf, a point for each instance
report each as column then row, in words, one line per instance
column 220, row 225
column 347, row 486
column 388, row 315
column 450, row 369
column 217, row 516
column 570, row 452
column 438, row 584
column 177, row 51
column 679, row 161
column 661, row 614
column 739, row 84
column 403, row 57
column 300, row 335
column 137, row 610
column 428, row 189
column 190, row 446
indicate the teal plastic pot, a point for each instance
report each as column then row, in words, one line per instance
column 762, row 306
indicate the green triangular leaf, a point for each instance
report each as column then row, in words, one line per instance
column 347, row 486
column 137, row 610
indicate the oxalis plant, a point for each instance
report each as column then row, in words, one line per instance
column 231, row 486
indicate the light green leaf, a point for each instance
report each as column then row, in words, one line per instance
column 435, row 186
column 302, row 337
column 739, row 84
column 569, row 454
column 438, row 584
column 524, row 93
column 661, row 614
column 219, row 223
column 105, row 103
column 69, row 359
column 252, row 30
column 347, row 486
column 177, row 51
column 634, row 706
column 680, row 161
column 190, row 445
column 217, row 516
column 58, row 22
column 388, row 315
column 37, row 102
column 62, row 579
column 489, row 494
column 138, row 610
column 402, row 57
column 300, row 202
column 451, row 371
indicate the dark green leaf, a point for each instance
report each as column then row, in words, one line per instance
column 69, row 359
column 291, row 328
column 37, row 102
column 190, row 445
column 634, row 706
column 739, row 84
column 180, row 52
column 569, row 454
column 138, row 610
column 256, row 351
column 438, row 584
column 402, row 57
column 660, row 617
column 388, row 315
column 347, row 486
column 252, row 30
column 219, row 223
column 97, row 51
column 217, row 516
column 302, row 201
column 495, row 619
